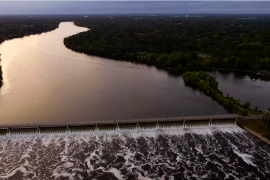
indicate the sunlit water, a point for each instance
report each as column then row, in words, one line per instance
column 161, row 154
column 44, row 82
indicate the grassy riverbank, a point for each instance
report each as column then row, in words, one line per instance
column 257, row 126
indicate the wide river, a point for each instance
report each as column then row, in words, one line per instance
column 44, row 82
column 47, row 83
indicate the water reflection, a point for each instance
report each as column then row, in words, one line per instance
column 245, row 86
column 47, row 83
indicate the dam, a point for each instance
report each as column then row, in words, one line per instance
column 122, row 125
column 205, row 148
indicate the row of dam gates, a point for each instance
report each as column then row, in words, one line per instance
column 134, row 124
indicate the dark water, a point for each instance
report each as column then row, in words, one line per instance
column 226, row 152
column 44, row 82
column 245, row 87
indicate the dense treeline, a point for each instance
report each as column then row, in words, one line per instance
column 170, row 42
column 208, row 85
column 18, row 26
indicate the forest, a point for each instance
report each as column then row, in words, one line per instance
column 178, row 43
column 15, row 26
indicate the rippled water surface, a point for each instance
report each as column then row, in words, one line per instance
column 47, row 83
column 225, row 152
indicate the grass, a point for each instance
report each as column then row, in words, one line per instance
column 252, row 112
column 256, row 126
column 249, row 110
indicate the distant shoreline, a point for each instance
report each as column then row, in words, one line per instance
column 233, row 70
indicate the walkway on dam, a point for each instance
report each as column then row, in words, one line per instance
column 149, row 123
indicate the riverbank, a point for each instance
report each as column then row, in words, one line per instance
column 233, row 70
column 255, row 127
column 209, row 86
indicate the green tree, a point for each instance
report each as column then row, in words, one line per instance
column 247, row 105
column 256, row 68
column 206, row 62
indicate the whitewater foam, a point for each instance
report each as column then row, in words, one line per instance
column 161, row 153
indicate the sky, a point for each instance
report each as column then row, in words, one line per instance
column 108, row 7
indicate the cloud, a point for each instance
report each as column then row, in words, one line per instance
column 107, row 7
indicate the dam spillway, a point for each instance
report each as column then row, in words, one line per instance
column 146, row 150
column 202, row 152
column 122, row 125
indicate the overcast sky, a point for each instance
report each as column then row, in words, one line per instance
column 105, row 7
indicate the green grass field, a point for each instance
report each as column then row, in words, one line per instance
column 258, row 127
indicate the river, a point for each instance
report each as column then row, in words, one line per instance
column 245, row 87
column 44, row 82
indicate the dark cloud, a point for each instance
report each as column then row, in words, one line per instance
column 102, row 7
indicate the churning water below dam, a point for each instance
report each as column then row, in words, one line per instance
column 222, row 152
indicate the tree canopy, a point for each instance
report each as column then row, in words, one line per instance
column 178, row 43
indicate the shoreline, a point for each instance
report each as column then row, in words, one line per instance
column 264, row 139
column 233, row 70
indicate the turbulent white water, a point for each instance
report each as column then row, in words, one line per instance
column 194, row 153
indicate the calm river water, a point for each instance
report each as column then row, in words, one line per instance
column 245, row 87
column 44, row 82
